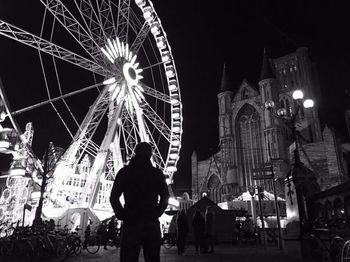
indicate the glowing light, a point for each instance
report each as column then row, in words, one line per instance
column 269, row 104
column 298, row 94
column 130, row 74
column 308, row 103
column 176, row 115
column 174, row 101
column 175, row 142
column 173, row 201
column 109, row 81
column 107, row 55
column 170, row 72
column 140, row 3
column 112, row 48
column 174, row 155
column 4, row 145
column 2, row 116
column 172, row 87
column 171, row 169
column 176, row 129
column 161, row 42
column 282, row 112
column 155, row 28
column 148, row 15
column 35, row 195
column 166, row 57
column 168, row 181
column 17, row 172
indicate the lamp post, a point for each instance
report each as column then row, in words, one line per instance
column 296, row 211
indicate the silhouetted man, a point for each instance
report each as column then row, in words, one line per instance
column 141, row 184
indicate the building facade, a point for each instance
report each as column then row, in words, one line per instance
column 251, row 135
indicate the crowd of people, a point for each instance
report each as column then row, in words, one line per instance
column 203, row 228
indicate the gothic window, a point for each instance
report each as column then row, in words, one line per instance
column 249, row 143
column 214, row 187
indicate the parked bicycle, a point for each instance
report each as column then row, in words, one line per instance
column 323, row 245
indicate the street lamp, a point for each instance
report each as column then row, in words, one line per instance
column 294, row 179
column 291, row 119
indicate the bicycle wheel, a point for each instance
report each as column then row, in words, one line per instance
column 336, row 248
column 61, row 249
column 345, row 252
column 93, row 244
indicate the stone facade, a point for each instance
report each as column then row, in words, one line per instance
column 251, row 135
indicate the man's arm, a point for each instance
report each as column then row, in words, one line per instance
column 164, row 195
column 114, row 199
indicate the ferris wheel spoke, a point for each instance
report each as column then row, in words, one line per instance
column 106, row 17
column 155, row 93
column 47, row 47
column 84, row 135
column 129, row 133
column 140, row 38
column 91, row 20
column 71, row 24
column 156, row 121
column 123, row 20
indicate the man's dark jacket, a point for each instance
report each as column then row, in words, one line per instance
column 141, row 184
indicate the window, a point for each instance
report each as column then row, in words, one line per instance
column 249, row 143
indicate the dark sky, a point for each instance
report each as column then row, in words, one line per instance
column 203, row 37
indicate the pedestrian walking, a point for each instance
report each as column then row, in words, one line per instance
column 209, row 230
column 182, row 231
column 146, row 198
column 198, row 224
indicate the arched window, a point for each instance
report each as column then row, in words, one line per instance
column 249, row 144
column 214, row 186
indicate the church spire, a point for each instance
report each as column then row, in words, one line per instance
column 266, row 71
column 224, row 81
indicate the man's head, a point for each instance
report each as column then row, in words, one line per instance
column 143, row 149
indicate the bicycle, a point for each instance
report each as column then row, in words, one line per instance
column 345, row 254
column 323, row 245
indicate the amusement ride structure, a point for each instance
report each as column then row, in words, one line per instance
column 126, row 49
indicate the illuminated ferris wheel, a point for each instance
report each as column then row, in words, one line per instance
column 124, row 49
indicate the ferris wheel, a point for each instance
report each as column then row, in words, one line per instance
column 121, row 46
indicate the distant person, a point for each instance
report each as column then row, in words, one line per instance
column 198, row 224
column 142, row 185
column 209, row 229
column 182, row 231
column 102, row 233
column 111, row 232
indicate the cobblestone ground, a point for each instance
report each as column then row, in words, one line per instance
column 223, row 253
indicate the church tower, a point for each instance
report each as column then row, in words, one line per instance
column 273, row 132
column 225, row 121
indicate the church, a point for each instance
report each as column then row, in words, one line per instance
column 252, row 135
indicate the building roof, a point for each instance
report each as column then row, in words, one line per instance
column 266, row 71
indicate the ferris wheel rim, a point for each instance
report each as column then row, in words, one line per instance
column 173, row 89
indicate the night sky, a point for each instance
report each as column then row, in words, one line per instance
column 203, row 37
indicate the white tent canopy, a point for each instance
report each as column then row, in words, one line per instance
column 245, row 196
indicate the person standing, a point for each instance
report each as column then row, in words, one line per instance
column 182, row 231
column 198, row 224
column 209, row 229
column 142, row 185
